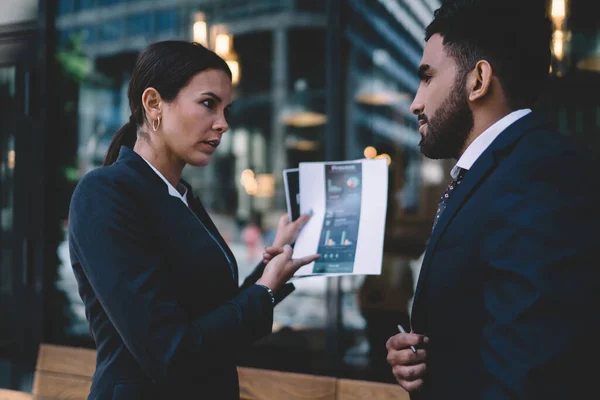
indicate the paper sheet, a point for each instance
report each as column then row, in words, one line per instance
column 349, row 203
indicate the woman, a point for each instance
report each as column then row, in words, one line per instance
column 158, row 281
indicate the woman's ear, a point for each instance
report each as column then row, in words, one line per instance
column 480, row 80
column 152, row 103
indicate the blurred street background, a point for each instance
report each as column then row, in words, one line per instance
column 314, row 80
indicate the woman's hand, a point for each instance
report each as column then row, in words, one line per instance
column 288, row 231
column 282, row 267
column 271, row 252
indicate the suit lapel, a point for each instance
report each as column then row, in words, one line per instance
column 135, row 161
column 484, row 165
column 198, row 209
column 470, row 182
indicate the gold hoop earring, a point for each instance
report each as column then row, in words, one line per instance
column 155, row 128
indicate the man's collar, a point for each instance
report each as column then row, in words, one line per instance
column 485, row 139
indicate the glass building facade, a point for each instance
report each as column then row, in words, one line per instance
column 316, row 80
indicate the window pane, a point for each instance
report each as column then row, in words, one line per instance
column 139, row 24
column 89, row 34
column 166, row 21
column 310, row 5
column 65, row 7
column 110, row 2
column 85, row 4
column 111, row 30
column 571, row 102
column 8, row 159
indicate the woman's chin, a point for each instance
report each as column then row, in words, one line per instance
column 200, row 160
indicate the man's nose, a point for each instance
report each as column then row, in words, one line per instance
column 417, row 107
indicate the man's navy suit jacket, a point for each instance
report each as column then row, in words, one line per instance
column 508, row 288
column 160, row 289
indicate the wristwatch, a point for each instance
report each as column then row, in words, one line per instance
column 270, row 292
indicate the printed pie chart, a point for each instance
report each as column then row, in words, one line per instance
column 353, row 182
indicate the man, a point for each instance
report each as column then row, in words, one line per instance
column 508, row 290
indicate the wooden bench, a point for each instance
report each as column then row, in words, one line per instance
column 64, row 373
column 15, row 395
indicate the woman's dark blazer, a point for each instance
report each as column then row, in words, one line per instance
column 160, row 289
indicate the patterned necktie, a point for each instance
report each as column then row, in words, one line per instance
column 446, row 196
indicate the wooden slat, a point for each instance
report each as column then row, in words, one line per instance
column 64, row 373
column 258, row 384
column 348, row 389
column 6, row 394
column 60, row 387
column 66, row 360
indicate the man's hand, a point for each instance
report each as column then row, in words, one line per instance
column 408, row 367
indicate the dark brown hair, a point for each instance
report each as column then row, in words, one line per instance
column 512, row 35
column 168, row 67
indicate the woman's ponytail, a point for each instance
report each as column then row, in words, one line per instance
column 126, row 136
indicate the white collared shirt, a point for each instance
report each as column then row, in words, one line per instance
column 483, row 141
column 172, row 191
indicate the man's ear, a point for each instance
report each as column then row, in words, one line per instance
column 152, row 103
column 479, row 80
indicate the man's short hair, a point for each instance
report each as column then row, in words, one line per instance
column 513, row 36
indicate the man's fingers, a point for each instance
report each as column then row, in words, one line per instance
column 411, row 386
column 406, row 357
column 404, row 340
column 409, row 372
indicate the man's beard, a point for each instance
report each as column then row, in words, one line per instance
column 448, row 129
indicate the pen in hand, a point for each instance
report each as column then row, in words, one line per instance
column 401, row 329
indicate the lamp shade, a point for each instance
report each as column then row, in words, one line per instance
column 375, row 91
column 299, row 112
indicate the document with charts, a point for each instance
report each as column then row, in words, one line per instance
column 349, row 203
